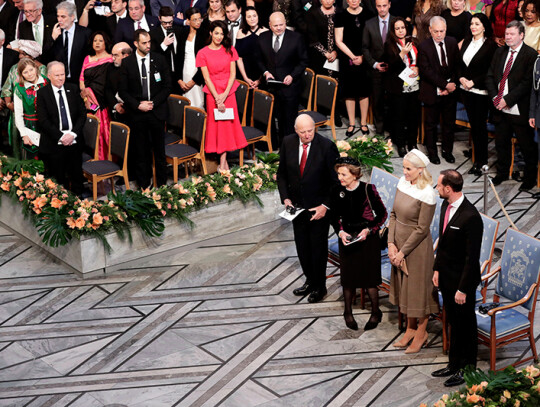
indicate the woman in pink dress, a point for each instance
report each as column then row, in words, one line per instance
column 217, row 63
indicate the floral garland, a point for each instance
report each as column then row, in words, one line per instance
column 508, row 388
column 371, row 152
column 60, row 215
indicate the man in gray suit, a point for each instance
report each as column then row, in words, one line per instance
column 375, row 33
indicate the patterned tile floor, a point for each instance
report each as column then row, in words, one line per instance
column 213, row 324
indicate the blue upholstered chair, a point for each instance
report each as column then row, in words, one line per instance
column 518, row 283
column 435, row 223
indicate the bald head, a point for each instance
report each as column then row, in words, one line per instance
column 277, row 23
column 119, row 52
column 305, row 128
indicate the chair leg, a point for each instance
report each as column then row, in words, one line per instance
column 94, row 188
column 512, row 160
column 126, row 181
column 112, row 184
column 203, row 164
column 445, row 331
column 175, row 170
column 154, row 178
column 533, row 345
column 241, row 157
column 492, row 350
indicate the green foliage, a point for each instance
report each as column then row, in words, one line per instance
column 51, row 226
column 371, row 152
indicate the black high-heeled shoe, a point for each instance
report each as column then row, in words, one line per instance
column 349, row 133
column 366, row 131
column 373, row 321
column 350, row 321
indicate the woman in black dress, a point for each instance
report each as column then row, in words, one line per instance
column 358, row 211
column 247, row 47
column 457, row 19
column 353, row 81
column 320, row 35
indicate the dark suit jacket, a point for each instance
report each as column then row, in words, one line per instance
column 372, row 44
column 130, row 89
column 291, row 59
column 125, row 29
column 183, row 5
column 476, row 71
column 27, row 33
column 157, row 38
column 49, row 120
column 79, row 50
column 10, row 58
column 49, row 6
column 431, row 72
column 8, row 19
column 519, row 78
column 458, row 252
column 200, row 42
column 314, row 187
column 534, row 108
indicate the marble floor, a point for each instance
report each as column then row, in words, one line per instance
column 214, row 324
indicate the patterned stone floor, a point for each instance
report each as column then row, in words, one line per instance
column 213, row 324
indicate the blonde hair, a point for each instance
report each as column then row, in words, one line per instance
column 22, row 65
column 466, row 6
column 424, row 178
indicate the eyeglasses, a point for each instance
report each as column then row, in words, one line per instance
column 31, row 11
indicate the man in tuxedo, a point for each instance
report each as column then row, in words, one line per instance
column 145, row 85
column 375, row 33
column 8, row 15
column 61, row 118
column 70, row 42
column 233, row 10
column 183, row 5
column 457, row 273
column 37, row 26
column 8, row 58
column 439, row 61
column 509, row 83
column 113, row 100
column 283, row 58
column 305, row 177
column 136, row 20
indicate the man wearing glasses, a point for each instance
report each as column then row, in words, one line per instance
column 136, row 20
column 37, row 27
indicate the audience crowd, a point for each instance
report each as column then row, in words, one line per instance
column 122, row 58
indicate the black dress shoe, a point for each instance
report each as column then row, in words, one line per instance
column 350, row 322
column 434, row 159
column 402, row 151
column 349, row 133
column 444, row 372
column 449, row 157
column 301, row 291
column 455, row 380
column 498, row 179
column 527, row 185
column 474, row 169
column 317, row 295
column 373, row 321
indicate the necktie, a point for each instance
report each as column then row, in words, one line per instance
column 276, row 45
column 502, row 83
column 191, row 4
column 66, row 51
column 63, row 113
column 303, row 159
column 21, row 18
column 144, row 80
column 139, row 25
column 443, row 55
column 446, row 217
column 384, row 32
column 37, row 34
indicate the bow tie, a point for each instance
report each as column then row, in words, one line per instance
column 234, row 23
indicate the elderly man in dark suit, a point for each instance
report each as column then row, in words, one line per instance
column 457, row 273
column 439, row 62
column 145, row 85
column 305, row 177
column 37, row 27
column 375, row 33
column 112, row 98
column 509, row 83
column 136, row 20
column 283, row 58
column 61, row 118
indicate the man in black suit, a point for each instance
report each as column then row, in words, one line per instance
column 183, row 5
column 8, row 58
column 375, row 33
column 233, row 10
column 136, row 20
column 305, row 177
column 283, row 57
column 99, row 19
column 70, row 42
column 112, row 98
column 439, row 61
column 61, row 118
column 8, row 15
column 457, row 273
column 145, row 85
column 509, row 83
column 37, row 26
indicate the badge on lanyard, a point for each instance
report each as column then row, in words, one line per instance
column 157, row 77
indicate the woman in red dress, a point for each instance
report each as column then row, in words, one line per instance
column 217, row 63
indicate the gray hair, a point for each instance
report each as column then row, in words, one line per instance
column 436, row 19
column 38, row 3
column 518, row 25
column 141, row 2
column 2, row 35
column 69, row 7
column 52, row 64
column 301, row 116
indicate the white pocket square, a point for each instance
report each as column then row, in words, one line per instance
column 454, row 227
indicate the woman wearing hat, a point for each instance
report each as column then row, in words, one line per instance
column 357, row 213
column 410, row 249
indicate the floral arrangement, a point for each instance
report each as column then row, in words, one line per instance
column 510, row 387
column 60, row 215
column 369, row 151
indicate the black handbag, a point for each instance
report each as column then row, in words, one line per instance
column 383, row 232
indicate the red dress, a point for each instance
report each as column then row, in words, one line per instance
column 221, row 135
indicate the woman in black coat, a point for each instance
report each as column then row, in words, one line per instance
column 477, row 51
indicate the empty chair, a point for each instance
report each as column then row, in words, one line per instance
column 308, row 81
column 242, row 100
column 325, row 103
column 175, row 121
column 91, row 138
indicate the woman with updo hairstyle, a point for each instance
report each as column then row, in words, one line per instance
column 410, row 250
column 357, row 214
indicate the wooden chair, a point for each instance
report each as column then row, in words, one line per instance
column 518, row 279
column 325, row 102
column 308, row 81
column 175, row 121
column 192, row 146
column 99, row 170
column 91, row 138
column 261, row 121
column 242, row 100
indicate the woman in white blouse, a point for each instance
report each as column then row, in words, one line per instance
column 477, row 51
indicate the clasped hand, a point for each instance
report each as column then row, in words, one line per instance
column 395, row 256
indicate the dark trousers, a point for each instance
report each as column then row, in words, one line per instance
column 377, row 101
column 477, row 107
column 505, row 126
column 311, row 238
column 405, row 112
column 286, row 111
column 443, row 112
column 147, row 139
column 65, row 166
column 463, row 329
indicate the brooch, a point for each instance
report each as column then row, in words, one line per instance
column 342, row 194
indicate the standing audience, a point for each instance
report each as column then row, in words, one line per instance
column 502, row 13
column 424, row 11
column 532, row 24
column 247, row 45
column 320, row 37
column 457, row 19
column 113, row 101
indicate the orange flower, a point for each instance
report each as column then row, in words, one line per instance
column 532, row 371
column 227, row 189
column 182, row 203
column 39, row 178
column 211, row 192
column 17, row 182
column 39, row 202
column 70, row 222
column 50, row 184
column 97, row 219
column 56, row 203
column 473, row 398
column 79, row 223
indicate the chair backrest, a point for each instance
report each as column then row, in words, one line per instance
column 119, row 140
column 386, row 185
column 176, row 113
column 241, row 100
column 261, row 114
column 436, row 219
column 520, row 267
column 91, row 135
column 308, row 80
column 489, row 237
column 194, row 126
column 325, row 94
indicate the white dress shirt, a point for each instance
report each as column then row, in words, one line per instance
column 454, row 207
column 147, row 64
column 469, row 54
column 514, row 110
column 164, row 47
column 301, row 150
column 280, row 38
column 235, row 30
column 40, row 26
column 70, row 124
column 122, row 16
column 71, row 36
column 144, row 24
